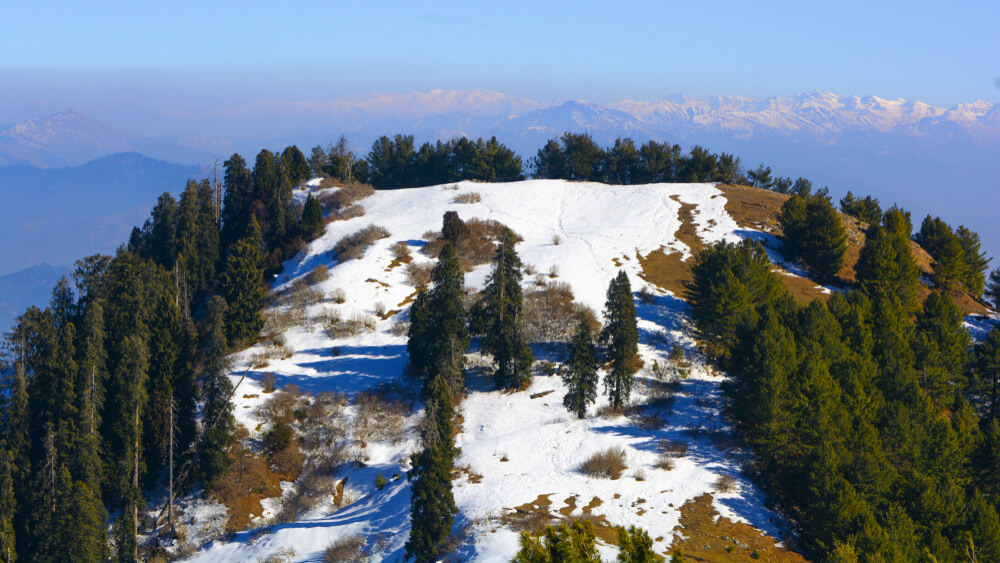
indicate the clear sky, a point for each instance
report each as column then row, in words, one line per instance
column 195, row 54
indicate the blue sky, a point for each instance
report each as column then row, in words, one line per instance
column 204, row 53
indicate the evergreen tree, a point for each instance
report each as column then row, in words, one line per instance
column 950, row 263
column 886, row 261
column 8, row 506
column 163, row 232
column 432, row 505
column 580, row 372
column 311, row 226
column 550, row 162
column 237, row 202
column 560, row 544
column 621, row 333
column 450, row 337
column 814, row 234
column 295, row 164
column 942, row 345
column 216, row 392
column 243, row 287
column 621, row 163
column 503, row 301
column 635, row 546
column 391, row 162
column 867, row 209
column 986, row 374
column 992, row 292
column 976, row 261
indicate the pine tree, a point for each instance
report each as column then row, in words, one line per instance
column 216, row 391
column 976, row 261
column 503, row 301
column 311, row 225
column 563, row 543
column 986, row 374
column 8, row 506
column 237, row 202
column 295, row 164
column 942, row 345
column 621, row 333
column 550, row 162
column 992, row 292
column 432, row 505
column 243, row 287
column 635, row 546
column 450, row 338
column 580, row 372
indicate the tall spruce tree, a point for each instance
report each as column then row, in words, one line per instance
column 621, row 334
column 503, row 302
column 243, row 287
column 311, row 225
column 216, row 391
column 8, row 506
column 580, row 372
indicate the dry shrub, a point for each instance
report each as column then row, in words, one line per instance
column 430, row 236
column 400, row 329
column 249, row 481
column 400, row 250
column 607, row 464
column 346, row 550
column 646, row 295
column 530, row 270
column 418, row 274
column 725, row 484
column 323, row 424
column 354, row 246
column 669, row 450
column 267, row 381
column 350, row 212
column 318, row 274
column 359, row 190
column 379, row 417
column 470, row 197
column 540, row 280
column 554, row 271
column 334, row 201
column 380, row 309
column 280, row 408
column 478, row 244
column 328, row 182
column 280, row 319
column 338, row 296
column 556, row 239
column 359, row 323
column 639, row 474
column 274, row 350
column 283, row 555
column 549, row 313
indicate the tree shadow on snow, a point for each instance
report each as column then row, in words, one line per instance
column 353, row 370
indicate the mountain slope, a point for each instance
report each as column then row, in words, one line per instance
column 27, row 287
column 520, row 451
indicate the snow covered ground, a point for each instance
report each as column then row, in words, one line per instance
column 596, row 225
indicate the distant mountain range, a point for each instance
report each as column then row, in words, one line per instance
column 22, row 289
column 59, row 215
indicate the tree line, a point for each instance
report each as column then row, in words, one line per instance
column 872, row 417
column 101, row 389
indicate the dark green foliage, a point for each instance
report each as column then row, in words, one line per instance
column 976, row 261
column 394, row 163
column 453, row 228
column 432, row 505
column 886, row 262
column 941, row 346
column 635, row 546
column 992, row 292
column 243, row 287
column 502, row 309
column 391, row 162
column 583, row 157
column 951, row 269
column 621, row 334
column 731, row 281
column 574, row 543
column 311, row 225
column 814, row 234
column 549, row 162
column 621, row 163
column 580, row 371
column 867, row 209
column 986, row 374
column 832, row 400
column 216, row 392
column 8, row 506
column 295, row 164
column 238, row 202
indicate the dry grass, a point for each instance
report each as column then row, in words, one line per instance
column 470, row 197
column 359, row 323
column 379, row 417
column 606, row 464
column 704, row 536
column 353, row 246
column 400, row 250
column 338, row 296
column 250, row 480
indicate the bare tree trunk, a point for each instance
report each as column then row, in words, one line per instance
column 170, row 464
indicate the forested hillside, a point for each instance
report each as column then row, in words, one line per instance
column 382, row 352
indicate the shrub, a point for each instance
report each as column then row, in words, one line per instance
column 379, row 417
column 471, row 197
column 380, row 309
column 646, row 295
column 357, row 324
column 529, row 269
column 380, row 481
column 548, row 313
column 556, row 239
column 267, row 381
column 400, row 250
column 400, row 329
column 358, row 190
column 318, row 274
column 419, row 274
column 640, row 474
column 345, row 550
column 338, row 296
column 607, row 464
column 554, row 271
column 725, row 484
column 351, row 212
column 353, row 246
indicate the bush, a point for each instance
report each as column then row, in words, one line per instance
column 419, row 274
column 380, row 309
column 338, row 296
column 267, row 381
column 379, row 417
column 556, row 239
column 400, row 250
column 357, row 324
column 318, row 274
column 346, row 550
column 548, row 313
column 380, row 481
column 554, row 271
column 607, row 464
column 353, row 246
column 725, row 484
column 471, row 197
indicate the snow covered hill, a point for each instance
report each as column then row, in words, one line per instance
column 520, row 452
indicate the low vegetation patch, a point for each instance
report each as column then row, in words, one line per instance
column 474, row 241
column 347, row 549
column 353, row 246
column 381, row 416
column 605, row 464
column 470, row 197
